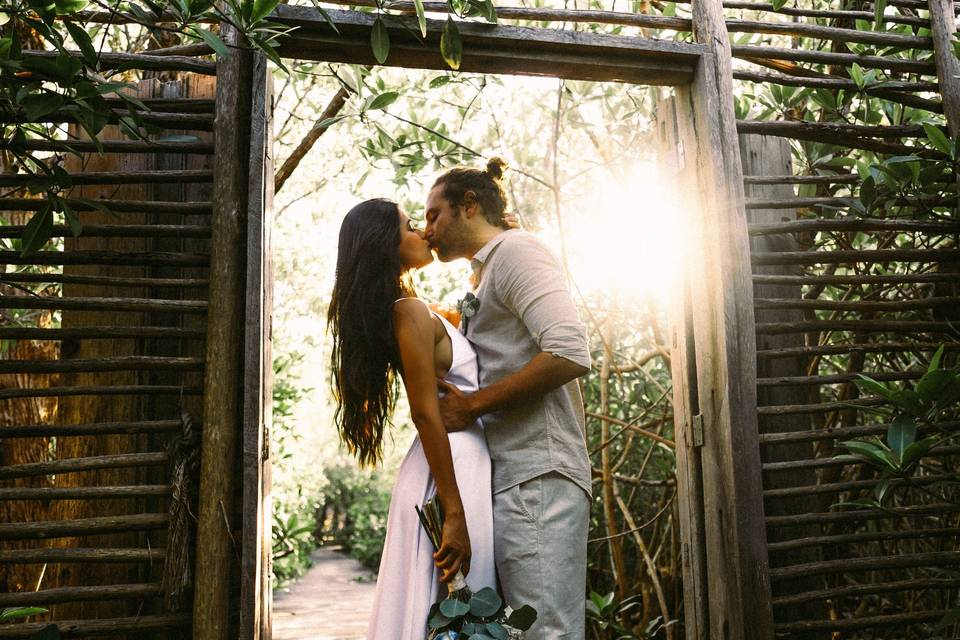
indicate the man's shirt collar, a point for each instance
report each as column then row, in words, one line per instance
column 476, row 263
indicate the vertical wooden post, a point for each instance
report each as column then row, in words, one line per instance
column 217, row 549
column 725, row 340
column 942, row 29
column 255, row 585
column 683, row 369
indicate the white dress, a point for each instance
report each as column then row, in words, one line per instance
column 409, row 581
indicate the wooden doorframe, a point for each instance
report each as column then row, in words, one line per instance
column 722, row 528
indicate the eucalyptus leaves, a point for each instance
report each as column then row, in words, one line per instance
column 451, row 43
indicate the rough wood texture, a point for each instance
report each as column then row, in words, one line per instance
column 71, row 465
column 114, row 177
column 222, row 418
column 119, row 146
column 489, row 48
column 84, row 493
column 255, row 570
column 100, row 333
column 943, row 28
column 98, row 628
column 670, row 114
column 82, row 555
column 739, row 590
column 113, row 60
column 82, row 526
column 74, row 594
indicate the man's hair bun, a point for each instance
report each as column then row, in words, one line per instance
column 495, row 167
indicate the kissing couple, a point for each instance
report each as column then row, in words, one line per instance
column 498, row 412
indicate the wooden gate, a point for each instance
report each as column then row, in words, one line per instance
column 119, row 363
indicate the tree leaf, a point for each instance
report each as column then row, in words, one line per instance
column 38, row 230
column 933, row 383
column 485, row 603
column 495, row 630
column 421, row 17
column 869, row 384
column 856, row 74
column 901, row 433
column 37, row 105
column 212, row 39
column 82, row 38
column 261, row 9
column 453, row 608
column 935, row 360
column 380, row 40
column 917, row 450
column 20, row 612
column 382, row 101
column 938, row 139
column 777, row 4
column 451, row 45
column 69, row 6
column 872, row 453
column 879, row 6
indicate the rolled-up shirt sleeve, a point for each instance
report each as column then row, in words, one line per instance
column 530, row 283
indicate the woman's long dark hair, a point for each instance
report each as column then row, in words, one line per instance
column 364, row 361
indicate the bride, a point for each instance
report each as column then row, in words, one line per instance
column 382, row 332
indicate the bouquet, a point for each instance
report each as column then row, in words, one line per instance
column 464, row 615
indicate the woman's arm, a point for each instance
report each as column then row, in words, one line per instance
column 414, row 331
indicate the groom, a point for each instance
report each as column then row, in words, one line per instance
column 530, row 343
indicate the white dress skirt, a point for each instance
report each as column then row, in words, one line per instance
column 409, row 582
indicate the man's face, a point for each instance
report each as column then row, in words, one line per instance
column 446, row 229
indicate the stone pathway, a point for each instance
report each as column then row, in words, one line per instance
column 331, row 602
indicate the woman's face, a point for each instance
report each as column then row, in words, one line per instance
column 414, row 249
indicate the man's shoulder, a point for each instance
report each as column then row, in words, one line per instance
column 519, row 245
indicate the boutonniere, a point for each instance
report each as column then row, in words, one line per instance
column 468, row 307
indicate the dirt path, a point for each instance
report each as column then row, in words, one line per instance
column 331, row 602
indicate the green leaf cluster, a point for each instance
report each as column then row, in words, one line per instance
column 484, row 617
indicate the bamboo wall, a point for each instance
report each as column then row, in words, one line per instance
column 101, row 377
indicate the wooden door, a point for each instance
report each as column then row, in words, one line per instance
column 256, row 570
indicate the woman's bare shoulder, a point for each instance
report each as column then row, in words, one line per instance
column 411, row 312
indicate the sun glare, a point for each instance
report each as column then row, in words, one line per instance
column 624, row 239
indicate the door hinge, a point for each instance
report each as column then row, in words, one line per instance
column 696, row 427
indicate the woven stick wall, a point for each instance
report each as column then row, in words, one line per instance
column 100, row 395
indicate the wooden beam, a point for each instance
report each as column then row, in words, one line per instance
column 255, row 571
column 212, row 606
column 670, row 113
column 489, row 48
column 943, row 27
column 737, row 571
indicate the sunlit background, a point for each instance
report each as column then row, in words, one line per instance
column 584, row 176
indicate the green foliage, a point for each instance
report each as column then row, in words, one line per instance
column 366, row 522
column 605, row 613
column 48, row 632
column 937, row 392
column 293, row 541
column 484, row 617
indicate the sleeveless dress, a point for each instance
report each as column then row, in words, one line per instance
column 409, row 582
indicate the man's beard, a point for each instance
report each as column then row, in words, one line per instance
column 455, row 244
